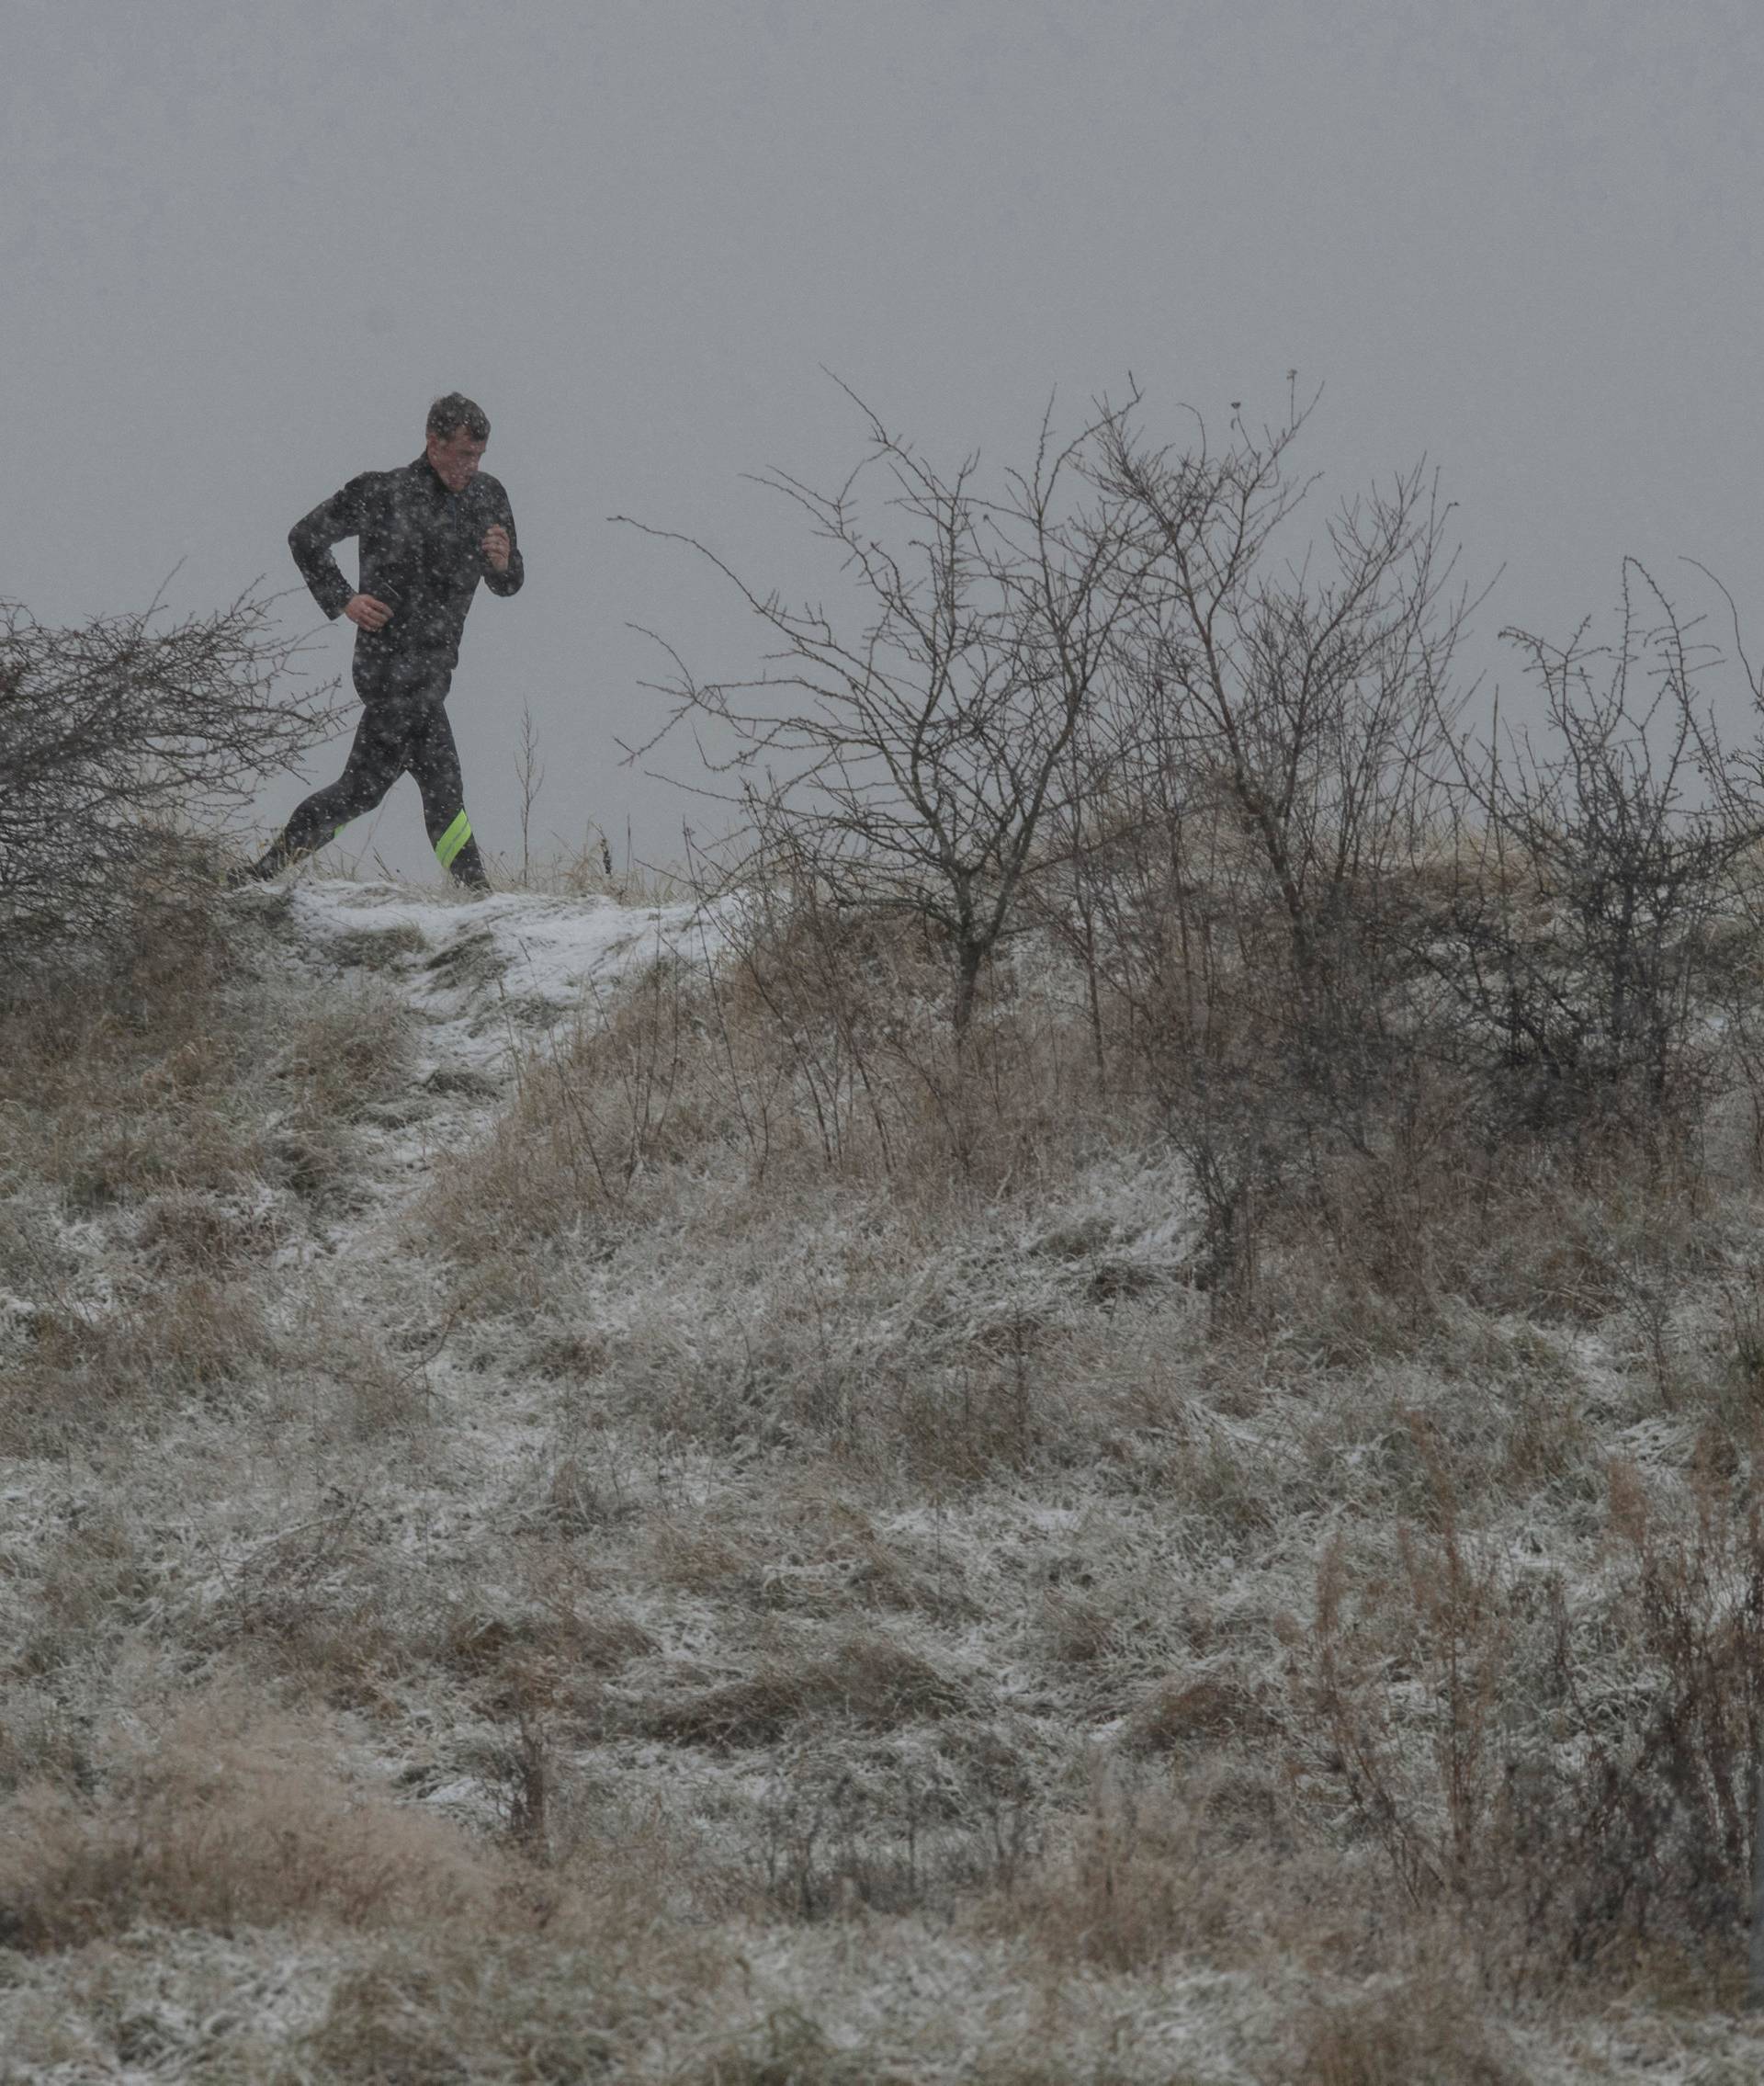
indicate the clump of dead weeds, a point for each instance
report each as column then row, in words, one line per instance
column 868, row 1680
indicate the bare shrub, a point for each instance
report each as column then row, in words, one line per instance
column 1234, row 866
column 1305, row 700
column 898, row 1823
column 939, row 725
column 1590, row 909
column 111, row 731
column 1476, row 1256
column 1282, row 877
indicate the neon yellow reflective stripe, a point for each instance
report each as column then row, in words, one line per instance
column 453, row 840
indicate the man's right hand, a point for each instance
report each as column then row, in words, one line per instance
column 366, row 613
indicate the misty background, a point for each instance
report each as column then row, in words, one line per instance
column 240, row 249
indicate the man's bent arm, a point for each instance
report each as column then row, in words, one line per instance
column 508, row 582
column 311, row 539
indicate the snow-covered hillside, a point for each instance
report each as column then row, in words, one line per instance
column 559, row 1519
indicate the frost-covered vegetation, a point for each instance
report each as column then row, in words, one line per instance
column 1093, row 1420
column 591, row 1490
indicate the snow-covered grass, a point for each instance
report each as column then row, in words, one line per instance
column 562, row 1515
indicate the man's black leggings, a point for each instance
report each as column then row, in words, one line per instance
column 400, row 733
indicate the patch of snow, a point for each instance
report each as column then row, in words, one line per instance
column 481, row 971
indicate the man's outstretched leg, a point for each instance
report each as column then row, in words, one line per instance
column 435, row 761
column 377, row 757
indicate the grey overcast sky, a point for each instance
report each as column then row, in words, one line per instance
column 241, row 245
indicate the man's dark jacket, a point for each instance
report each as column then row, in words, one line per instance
column 420, row 552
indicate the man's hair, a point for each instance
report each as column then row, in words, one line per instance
column 449, row 415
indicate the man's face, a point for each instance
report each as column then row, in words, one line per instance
column 455, row 459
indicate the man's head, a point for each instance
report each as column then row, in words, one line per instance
column 457, row 432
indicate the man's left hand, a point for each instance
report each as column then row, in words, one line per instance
column 496, row 547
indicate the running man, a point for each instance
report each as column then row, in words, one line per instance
column 426, row 535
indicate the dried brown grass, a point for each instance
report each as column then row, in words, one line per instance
column 85, row 1371
column 1573, row 1789
column 775, row 1080
column 230, row 1815
column 865, row 1679
column 179, row 1075
column 1210, row 1865
column 1422, row 2024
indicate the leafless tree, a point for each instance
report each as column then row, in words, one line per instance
column 1251, row 808
column 529, row 772
column 1589, row 916
column 1301, row 688
column 910, row 754
column 114, row 731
